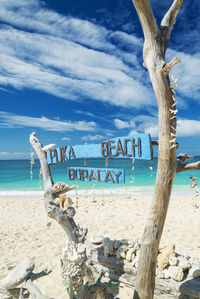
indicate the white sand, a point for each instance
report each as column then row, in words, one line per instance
column 24, row 232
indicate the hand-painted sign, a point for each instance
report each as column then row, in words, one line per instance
column 137, row 146
column 106, row 175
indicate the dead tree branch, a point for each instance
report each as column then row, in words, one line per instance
column 53, row 210
column 155, row 44
column 170, row 18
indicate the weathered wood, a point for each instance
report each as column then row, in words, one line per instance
column 53, row 211
column 123, row 271
column 156, row 41
column 137, row 146
column 18, row 275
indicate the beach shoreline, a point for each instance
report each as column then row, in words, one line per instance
column 27, row 232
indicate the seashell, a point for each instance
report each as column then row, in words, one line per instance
column 96, row 240
column 117, row 243
column 176, row 273
column 48, row 147
column 65, row 202
column 183, row 263
column 173, row 261
column 108, row 247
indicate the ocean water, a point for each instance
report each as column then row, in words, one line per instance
column 15, row 176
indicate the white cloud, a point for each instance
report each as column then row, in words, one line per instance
column 11, row 120
column 65, row 138
column 92, row 137
column 185, row 128
column 120, row 124
column 187, row 73
column 69, row 57
column 15, row 155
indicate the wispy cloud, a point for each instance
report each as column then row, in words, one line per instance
column 120, row 124
column 93, row 137
column 70, row 58
column 65, row 138
column 11, row 120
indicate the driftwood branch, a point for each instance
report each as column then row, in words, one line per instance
column 53, row 210
column 168, row 66
column 170, row 17
column 22, row 273
column 187, row 167
column 147, row 19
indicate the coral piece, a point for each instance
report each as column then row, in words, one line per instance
column 72, row 266
column 130, row 253
column 184, row 263
column 163, row 256
column 176, row 273
column 108, row 247
column 173, row 261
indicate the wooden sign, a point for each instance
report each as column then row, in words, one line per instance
column 137, row 146
column 106, row 175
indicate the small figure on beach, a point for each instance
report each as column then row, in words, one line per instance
column 193, row 184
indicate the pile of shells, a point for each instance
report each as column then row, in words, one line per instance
column 169, row 263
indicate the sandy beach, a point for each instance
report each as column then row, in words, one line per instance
column 26, row 231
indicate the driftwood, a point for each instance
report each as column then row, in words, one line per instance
column 22, row 273
column 156, row 40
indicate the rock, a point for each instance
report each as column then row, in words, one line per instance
column 108, row 247
column 176, row 273
column 96, row 240
column 117, row 243
column 121, row 251
column 18, row 275
column 196, row 273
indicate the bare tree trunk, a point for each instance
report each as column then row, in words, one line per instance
column 156, row 41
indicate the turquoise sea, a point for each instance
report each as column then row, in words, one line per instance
column 15, row 175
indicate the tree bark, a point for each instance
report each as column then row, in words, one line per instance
column 156, row 41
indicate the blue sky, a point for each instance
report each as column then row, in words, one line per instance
column 72, row 72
